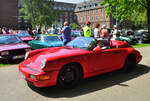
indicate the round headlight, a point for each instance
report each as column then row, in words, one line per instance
column 43, row 63
column 26, row 55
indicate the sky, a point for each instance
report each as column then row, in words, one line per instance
column 70, row 1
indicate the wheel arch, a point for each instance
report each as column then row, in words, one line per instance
column 79, row 66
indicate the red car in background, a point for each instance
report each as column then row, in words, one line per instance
column 12, row 47
column 24, row 35
column 65, row 66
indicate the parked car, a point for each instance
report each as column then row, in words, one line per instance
column 129, row 37
column 45, row 41
column 142, row 36
column 12, row 47
column 24, row 35
column 65, row 66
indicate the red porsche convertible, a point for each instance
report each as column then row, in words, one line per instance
column 65, row 66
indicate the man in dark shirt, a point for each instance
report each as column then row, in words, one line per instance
column 66, row 33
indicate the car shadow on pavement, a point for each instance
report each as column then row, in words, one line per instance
column 94, row 83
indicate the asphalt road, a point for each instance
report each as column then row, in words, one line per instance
column 113, row 86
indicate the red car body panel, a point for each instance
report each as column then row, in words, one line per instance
column 92, row 62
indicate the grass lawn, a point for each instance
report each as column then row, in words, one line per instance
column 141, row 45
column 3, row 65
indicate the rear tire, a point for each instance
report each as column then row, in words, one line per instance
column 130, row 63
column 69, row 76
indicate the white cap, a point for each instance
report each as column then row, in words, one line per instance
column 104, row 26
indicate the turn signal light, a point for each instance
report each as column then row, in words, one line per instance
column 42, row 77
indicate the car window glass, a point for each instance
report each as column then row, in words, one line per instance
column 51, row 38
column 9, row 39
column 83, row 43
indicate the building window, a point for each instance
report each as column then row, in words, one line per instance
column 88, row 18
column 84, row 19
column 92, row 18
column 95, row 5
column 80, row 19
column 96, row 11
column 97, row 18
column 101, row 11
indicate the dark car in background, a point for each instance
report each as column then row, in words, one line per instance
column 12, row 47
column 142, row 36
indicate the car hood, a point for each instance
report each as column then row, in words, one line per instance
column 53, row 54
column 13, row 46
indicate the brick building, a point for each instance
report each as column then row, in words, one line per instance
column 8, row 13
column 66, row 12
column 93, row 12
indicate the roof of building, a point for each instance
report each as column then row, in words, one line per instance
column 88, row 5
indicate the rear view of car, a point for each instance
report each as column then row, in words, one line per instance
column 25, row 36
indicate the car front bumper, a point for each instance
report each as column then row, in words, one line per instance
column 26, row 72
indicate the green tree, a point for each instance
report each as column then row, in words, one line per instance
column 139, row 20
column 123, row 9
column 75, row 26
column 39, row 12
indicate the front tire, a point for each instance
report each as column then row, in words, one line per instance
column 69, row 76
column 130, row 63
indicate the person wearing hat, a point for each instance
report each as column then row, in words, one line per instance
column 87, row 30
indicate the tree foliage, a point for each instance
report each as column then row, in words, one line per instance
column 39, row 12
column 75, row 26
column 128, row 9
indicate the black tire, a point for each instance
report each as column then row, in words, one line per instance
column 130, row 63
column 69, row 76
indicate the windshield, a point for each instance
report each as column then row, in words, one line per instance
column 9, row 39
column 50, row 38
column 23, row 34
column 87, row 43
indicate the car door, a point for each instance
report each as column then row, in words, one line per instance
column 106, row 59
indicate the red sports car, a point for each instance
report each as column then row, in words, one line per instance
column 65, row 66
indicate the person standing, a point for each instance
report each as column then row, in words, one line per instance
column 115, row 32
column 104, row 32
column 87, row 30
column 66, row 33
column 52, row 30
column 97, row 31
